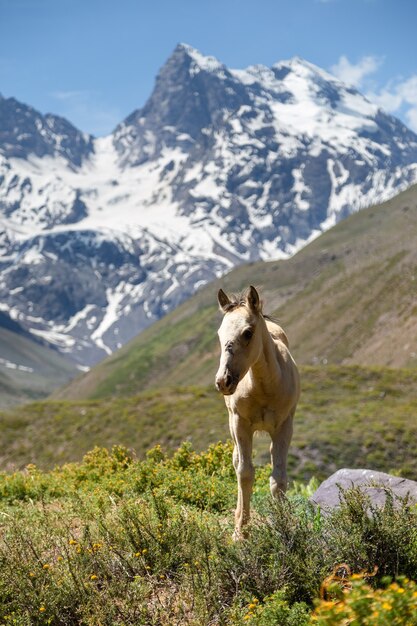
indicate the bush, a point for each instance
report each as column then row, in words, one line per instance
column 116, row 541
column 394, row 604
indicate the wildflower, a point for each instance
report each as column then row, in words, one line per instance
column 46, row 566
column 59, row 558
column 144, row 551
column 42, row 609
column 387, row 606
column 93, row 577
column 137, row 553
column 72, row 542
column 400, row 590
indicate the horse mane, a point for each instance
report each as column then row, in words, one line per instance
column 239, row 299
column 235, row 301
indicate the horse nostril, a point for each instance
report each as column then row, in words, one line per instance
column 228, row 380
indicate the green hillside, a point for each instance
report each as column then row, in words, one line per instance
column 29, row 370
column 349, row 297
column 347, row 416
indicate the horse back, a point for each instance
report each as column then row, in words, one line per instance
column 277, row 332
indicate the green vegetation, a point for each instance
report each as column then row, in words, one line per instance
column 114, row 541
column 347, row 417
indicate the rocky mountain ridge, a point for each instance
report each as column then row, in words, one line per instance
column 101, row 237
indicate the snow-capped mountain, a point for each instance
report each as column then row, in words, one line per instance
column 100, row 237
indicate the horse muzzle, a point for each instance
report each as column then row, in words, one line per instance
column 226, row 383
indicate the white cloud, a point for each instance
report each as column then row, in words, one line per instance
column 354, row 73
column 411, row 116
column 386, row 99
column 69, row 95
column 408, row 89
column 398, row 96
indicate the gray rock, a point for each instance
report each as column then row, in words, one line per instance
column 373, row 484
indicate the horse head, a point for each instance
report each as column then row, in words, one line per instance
column 240, row 338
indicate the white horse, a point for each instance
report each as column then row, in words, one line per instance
column 260, row 383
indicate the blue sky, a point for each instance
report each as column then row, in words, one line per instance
column 95, row 61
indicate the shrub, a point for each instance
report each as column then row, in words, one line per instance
column 393, row 604
column 117, row 541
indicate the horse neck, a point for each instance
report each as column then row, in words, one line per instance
column 266, row 364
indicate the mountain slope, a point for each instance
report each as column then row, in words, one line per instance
column 100, row 238
column 348, row 297
column 28, row 369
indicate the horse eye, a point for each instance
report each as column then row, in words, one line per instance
column 247, row 335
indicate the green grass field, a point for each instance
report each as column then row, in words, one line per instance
column 348, row 416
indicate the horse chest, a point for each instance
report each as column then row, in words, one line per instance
column 264, row 419
column 260, row 416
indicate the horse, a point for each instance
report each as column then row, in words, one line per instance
column 260, row 383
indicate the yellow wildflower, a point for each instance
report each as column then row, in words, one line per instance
column 42, row 609
column 93, row 577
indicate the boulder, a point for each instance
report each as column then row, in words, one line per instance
column 373, row 484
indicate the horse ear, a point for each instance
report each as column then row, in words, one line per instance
column 223, row 300
column 252, row 299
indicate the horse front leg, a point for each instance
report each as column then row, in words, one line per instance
column 245, row 473
column 281, row 439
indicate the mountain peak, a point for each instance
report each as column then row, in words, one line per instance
column 24, row 131
column 301, row 66
column 198, row 60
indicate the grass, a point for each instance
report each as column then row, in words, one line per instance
column 112, row 540
column 347, row 417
